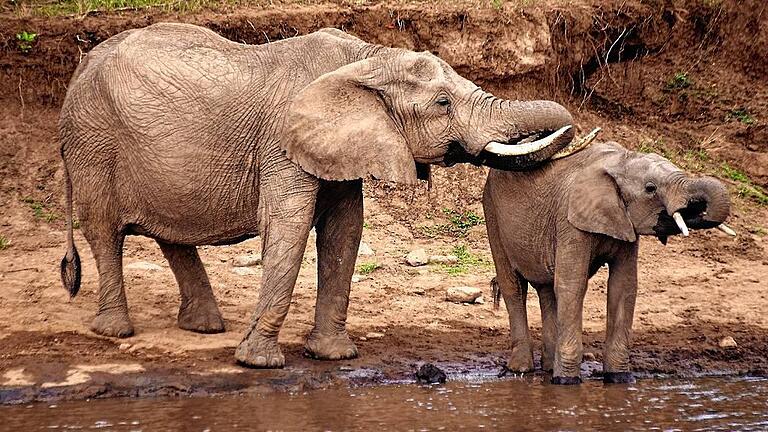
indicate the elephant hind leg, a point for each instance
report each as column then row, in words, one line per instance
column 339, row 230
column 548, row 305
column 106, row 243
column 198, row 311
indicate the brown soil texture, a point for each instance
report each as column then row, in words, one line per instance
column 613, row 64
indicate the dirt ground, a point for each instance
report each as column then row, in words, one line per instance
column 693, row 293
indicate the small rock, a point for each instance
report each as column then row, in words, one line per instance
column 247, row 260
column 463, row 294
column 374, row 335
column 728, row 342
column 480, row 300
column 124, row 346
column 430, row 374
column 359, row 278
column 346, row 368
column 143, row 265
column 365, row 250
column 443, row 259
column 417, row 258
column 418, row 291
column 363, row 338
column 588, row 356
column 243, row 271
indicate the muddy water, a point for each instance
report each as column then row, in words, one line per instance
column 700, row 404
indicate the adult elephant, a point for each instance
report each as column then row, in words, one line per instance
column 557, row 225
column 178, row 134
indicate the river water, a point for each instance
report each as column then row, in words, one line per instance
column 511, row 404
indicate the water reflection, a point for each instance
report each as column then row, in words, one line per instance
column 519, row 404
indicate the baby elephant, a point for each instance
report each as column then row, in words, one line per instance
column 557, row 225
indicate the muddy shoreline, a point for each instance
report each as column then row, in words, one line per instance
column 693, row 293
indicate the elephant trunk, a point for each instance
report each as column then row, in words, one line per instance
column 539, row 129
column 699, row 203
column 515, row 135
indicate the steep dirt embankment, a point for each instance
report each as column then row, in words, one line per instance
column 687, row 79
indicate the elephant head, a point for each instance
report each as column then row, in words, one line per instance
column 623, row 194
column 387, row 114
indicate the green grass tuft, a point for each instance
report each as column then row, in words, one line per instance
column 367, row 268
column 742, row 115
column 25, row 40
column 39, row 210
column 467, row 261
column 680, row 80
column 4, row 242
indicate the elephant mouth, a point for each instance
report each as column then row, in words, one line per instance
column 693, row 216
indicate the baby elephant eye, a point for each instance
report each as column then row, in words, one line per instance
column 443, row 101
column 650, row 187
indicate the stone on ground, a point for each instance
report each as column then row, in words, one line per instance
column 247, row 260
column 463, row 294
column 417, row 258
column 364, row 250
column 728, row 342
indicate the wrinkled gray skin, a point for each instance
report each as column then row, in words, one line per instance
column 555, row 226
column 176, row 133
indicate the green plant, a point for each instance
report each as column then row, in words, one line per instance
column 466, row 261
column 733, row 173
column 755, row 193
column 679, row 81
column 4, row 242
column 25, row 40
column 497, row 4
column 366, row 226
column 656, row 146
column 39, row 211
column 462, row 222
column 742, row 115
column 367, row 268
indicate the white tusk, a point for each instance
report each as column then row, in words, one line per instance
column 502, row 149
column 680, row 223
column 577, row 145
column 726, row 229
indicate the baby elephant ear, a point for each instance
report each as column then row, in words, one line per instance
column 338, row 128
column 595, row 205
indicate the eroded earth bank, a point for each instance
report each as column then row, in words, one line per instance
column 685, row 79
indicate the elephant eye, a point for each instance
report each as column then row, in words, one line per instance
column 443, row 101
column 650, row 187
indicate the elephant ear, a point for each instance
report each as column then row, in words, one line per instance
column 339, row 128
column 595, row 204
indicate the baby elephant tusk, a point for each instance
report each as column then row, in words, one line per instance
column 577, row 145
column 726, row 229
column 680, row 223
column 502, row 149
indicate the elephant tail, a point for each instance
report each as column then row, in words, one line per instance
column 70, row 264
column 495, row 293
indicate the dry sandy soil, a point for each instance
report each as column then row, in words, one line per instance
column 693, row 292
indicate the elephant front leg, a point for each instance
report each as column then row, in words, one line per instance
column 571, row 275
column 198, row 311
column 284, row 237
column 339, row 230
column 622, row 292
column 514, row 289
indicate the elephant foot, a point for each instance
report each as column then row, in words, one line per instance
column 521, row 360
column 113, row 324
column 201, row 317
column 259, row 351
column 330, row 347
column 547, row 363
column 566, row 380
column 618, row 378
